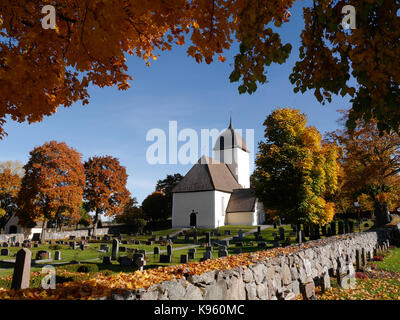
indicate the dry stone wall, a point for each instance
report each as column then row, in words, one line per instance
column 282, row 277
column 19, row 237
column 51, row 235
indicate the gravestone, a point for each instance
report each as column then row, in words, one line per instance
column 262, row 245
column 323, row 230
column 5, row 245
column 340, row 227
column 274, row 225
column 149, row 243
column 187, row 238
column 122, row 249
column 82, row 246
column 363, row 257
column 156, row 251
column 57, row 255
column 240, row 234
column 222, row 253
column 358, row 260
column 333, row 228
column 169, row 250
column 276, row 243
column 115, row 249
column 5, row 252
column 195, row 238
column 225, row 242
column 36, row 245
column 104, row 247
column 22, row 270
column 282, row 234
column 125, row 261
column 239, row 244
column 227, row 232
column 207, row 255
column 191, row 253
column 299, row 236
column 107, row 260
column 258, row 229
column 184, row 258
column 209, row 248
column 237, row 250
column 165, row 258
column 208, row 239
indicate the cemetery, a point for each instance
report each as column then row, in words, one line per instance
column 96, row 259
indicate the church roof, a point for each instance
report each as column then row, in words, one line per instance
column 230, row 139
column 208, row 175
column 242, row 200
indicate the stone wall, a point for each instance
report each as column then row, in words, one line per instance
column 281, row 277
column 19, row 237
column 51, row 235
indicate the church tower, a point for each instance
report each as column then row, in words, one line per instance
column 231, row 149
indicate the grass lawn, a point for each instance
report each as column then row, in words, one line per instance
column 380, row 281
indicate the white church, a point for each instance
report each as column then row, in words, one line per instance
column 216, row 191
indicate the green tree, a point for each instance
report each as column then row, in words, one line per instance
column 165, row 186
column 155, row 206
column 132, row 216
column 295, row 173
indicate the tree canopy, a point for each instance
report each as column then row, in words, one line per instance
column 370, row 167
column 10, row 184
column 295, row 175
column 92, row 38
column 155, row 206
column 105, row 191
column 53, row 184
column 166, row 185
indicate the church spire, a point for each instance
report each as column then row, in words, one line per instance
column 230, row 123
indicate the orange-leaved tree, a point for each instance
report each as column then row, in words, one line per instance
column 296, row 174
column 53, row 184
column 92, row 38
column 371, row 168
column 10, row 184
column 105, row 191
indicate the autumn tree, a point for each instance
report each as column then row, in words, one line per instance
column 105, row 191
column 53, row 184
column 371, row 165
column 295, row 173
column 155, row 206
column 10, row 183
column 132, row 216
column 92, row 38
column 166, row 185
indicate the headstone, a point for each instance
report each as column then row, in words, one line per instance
column 184, row 258
column 122, row 249
column 333, row 228
column 125, row 261
column 363, row 257
column 156, row 251
column 222, row 253
column 104, row 247
column 239, row 244
column 341, row 227
column 195, row 238
column 282, row 234
column 258, row 229
column 22, row 270
column 358, row 260
column 82, row 246
column 237, row 250
column 107, row 260
column 207, row 255
column 208, row 239
column 299, row 236
column 209, row 248
column 262, row 245
column 115, row 249
column 5, row 252
column 149, row 243
column 274, row 225
column 165, row 258
column 240, row 234
column 5, row 245
column 224, row 242
column 169, row 250
column 227, row 232
column 36, row 245
column 57, row 255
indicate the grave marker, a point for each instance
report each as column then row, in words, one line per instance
column 22, row 270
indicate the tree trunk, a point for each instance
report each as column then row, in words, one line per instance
column 43, row 230
column 95, row 221
column 382, row 214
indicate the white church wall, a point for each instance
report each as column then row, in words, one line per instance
column 202, row 202
column 221, row 203
column 242, row 218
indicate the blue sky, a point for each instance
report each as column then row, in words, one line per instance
column 174, row 87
